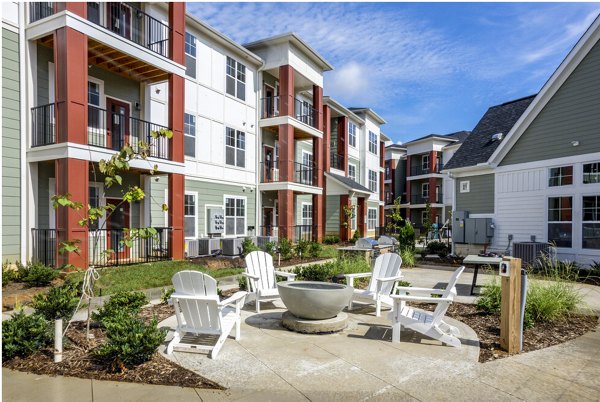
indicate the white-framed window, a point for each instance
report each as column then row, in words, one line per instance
column 190, row 213
column 235, row 147
column 352, row 171
column 465, row 186
column 590, row 225
column 372, row 142
column 235, row 215
column 591, row 173
column 189, row 132
column 560, row 176
column 560, row 221
column 425, row 190
column 190, row 55
column 307, row 217
column 425, row 162
column 373, row 181
column 276, row 152
column 371, row 218
column 307, row 169
column 352, row 134
column 235, row 79
column 423, row 217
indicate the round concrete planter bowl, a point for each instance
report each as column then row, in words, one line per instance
column 314, row 300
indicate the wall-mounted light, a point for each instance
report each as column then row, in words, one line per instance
column 137, row 106
column 157, row 90
column 575, row 143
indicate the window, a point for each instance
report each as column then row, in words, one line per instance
column 352, row 171
column 307, row 213
column 560, row 176
column 235, row 216
column 591, row 173
column 425, row 190
column 189, row 131
column 372, row 142
column 425, row 163
column 352, row 134
column 96, row 116
column 94, row 201
column 93, row 11
column 235, row 79
column 190, row 55
column 307, row 168
column 353, row 220
column 373, row 181
column 591, row 222
column 235, row 147
column 189, row 213
column 465, row 186
column 371, row 218
column 93, row 93
column 560, row 213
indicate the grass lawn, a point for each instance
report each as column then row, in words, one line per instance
column 146, row 276
column 329, row 251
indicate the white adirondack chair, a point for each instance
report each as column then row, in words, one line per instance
column 425, row 322
column 199, row 312
column 260, row 277
column 384, row 278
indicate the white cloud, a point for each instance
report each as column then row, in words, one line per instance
column 350, row 81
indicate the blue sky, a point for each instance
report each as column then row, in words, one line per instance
column 424, row 67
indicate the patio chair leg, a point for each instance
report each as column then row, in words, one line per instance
column 238, row 324
column 396, row 332
column 378, row 308
column 174, row 342
column 215, row 351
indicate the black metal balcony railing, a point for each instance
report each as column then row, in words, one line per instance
column 269, row 107
column 132, row 24
column 43, row 125
column 143, row 250
column 39, row 10
column 304, row 112
column 421, row 170
column 337, row 161
column 302, row 232
column 302, row 174
column 424, row 199
column 123, row 130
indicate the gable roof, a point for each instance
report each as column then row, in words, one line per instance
column 451, row 138
column 348, row 183
column 368, row 112
column 479, row 146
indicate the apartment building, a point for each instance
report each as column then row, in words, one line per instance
column 250, row 154
column 395, row 178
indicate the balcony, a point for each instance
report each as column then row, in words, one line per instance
column 122, row 19
column 425, row 198
column 337, row 161
column 105, row 129
column 302, row 110
column 422, row 170
column 302, row 174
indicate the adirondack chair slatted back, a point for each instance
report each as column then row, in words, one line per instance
column 450, row 291
column 260, row 264
column 200, row 314
column 386, row 266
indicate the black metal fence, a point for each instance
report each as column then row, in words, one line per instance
column 304, row 174
column 302, row 232
column 305, row 112
column 40, row 9
column 43, row 125
column 421, row 169
column 44, row 246
column 424, row 199
column 337, row 161
column 269, row 107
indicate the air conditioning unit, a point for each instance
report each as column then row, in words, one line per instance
column 232, row 247
column 191, row 248
column 529, row 252
column 261, row 241
column 208, row 246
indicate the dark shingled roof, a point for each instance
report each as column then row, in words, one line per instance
column 461, row 136
column 349, row 183
column 457, row 137
column 478, row 146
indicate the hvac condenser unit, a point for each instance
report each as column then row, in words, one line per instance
column 191, row 248
column 529, row 252
column 261, row 241
column 232, row 247
column 208, row 246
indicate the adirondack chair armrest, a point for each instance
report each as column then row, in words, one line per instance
column 236, row 298
column 289, row 275
column 175, row 296
column 350, row 277
column 381, row 281
column 250, row 276
column 422, row 298
column 402, row 290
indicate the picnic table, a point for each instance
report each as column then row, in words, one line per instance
column 479, row 261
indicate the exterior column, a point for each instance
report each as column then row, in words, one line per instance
column 318, row 106
column 285, row 201
column 361, row 212
column 177, row 25
column 326, row 138
column 317, row 199
column 78, row 8
column 286, row 152
column 408, row 183
column 72, row 176
column 344, row 230
column 381, row 183
column 70, row 56
column 342, row 133
column 176, row 189
column 286, row 90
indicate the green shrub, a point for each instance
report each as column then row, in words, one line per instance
column 23, row 335
column 548, row 302
column 286, row 249
column 406, row 237
column 59, row 302
column 404, row 284
column 248, row 246
column 9, row 274
column 557, row 270
column 271, row 248
column 491, row 297
column 129, row 341
column 356, row 236
column 128, row 302
column 242, row 283
column 437, row 247
column 302, row 248
column 314, row 249
column 408, row 258
column 36, row 274
column 331, row 239
column 324, row 272
column 166, row 295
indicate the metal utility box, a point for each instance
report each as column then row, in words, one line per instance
column 215, row 221
column 232, row 247
column 478, row 230
column 208, row 246
column 191, row 248
column 458, row 226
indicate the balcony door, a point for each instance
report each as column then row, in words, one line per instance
column 268, row 221
column 270, row 107
column 115, row 223
column 119, row 19
column 270, row 170
column 118, row 119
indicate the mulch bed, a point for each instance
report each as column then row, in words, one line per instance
column 543, row 335
column 18, row 294
column 79, row 362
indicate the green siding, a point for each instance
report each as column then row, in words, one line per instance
column 573, row 114
column 480, row 198
column 11, row 147
column 45, row 172
column 116, row 86
column 332, row 214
